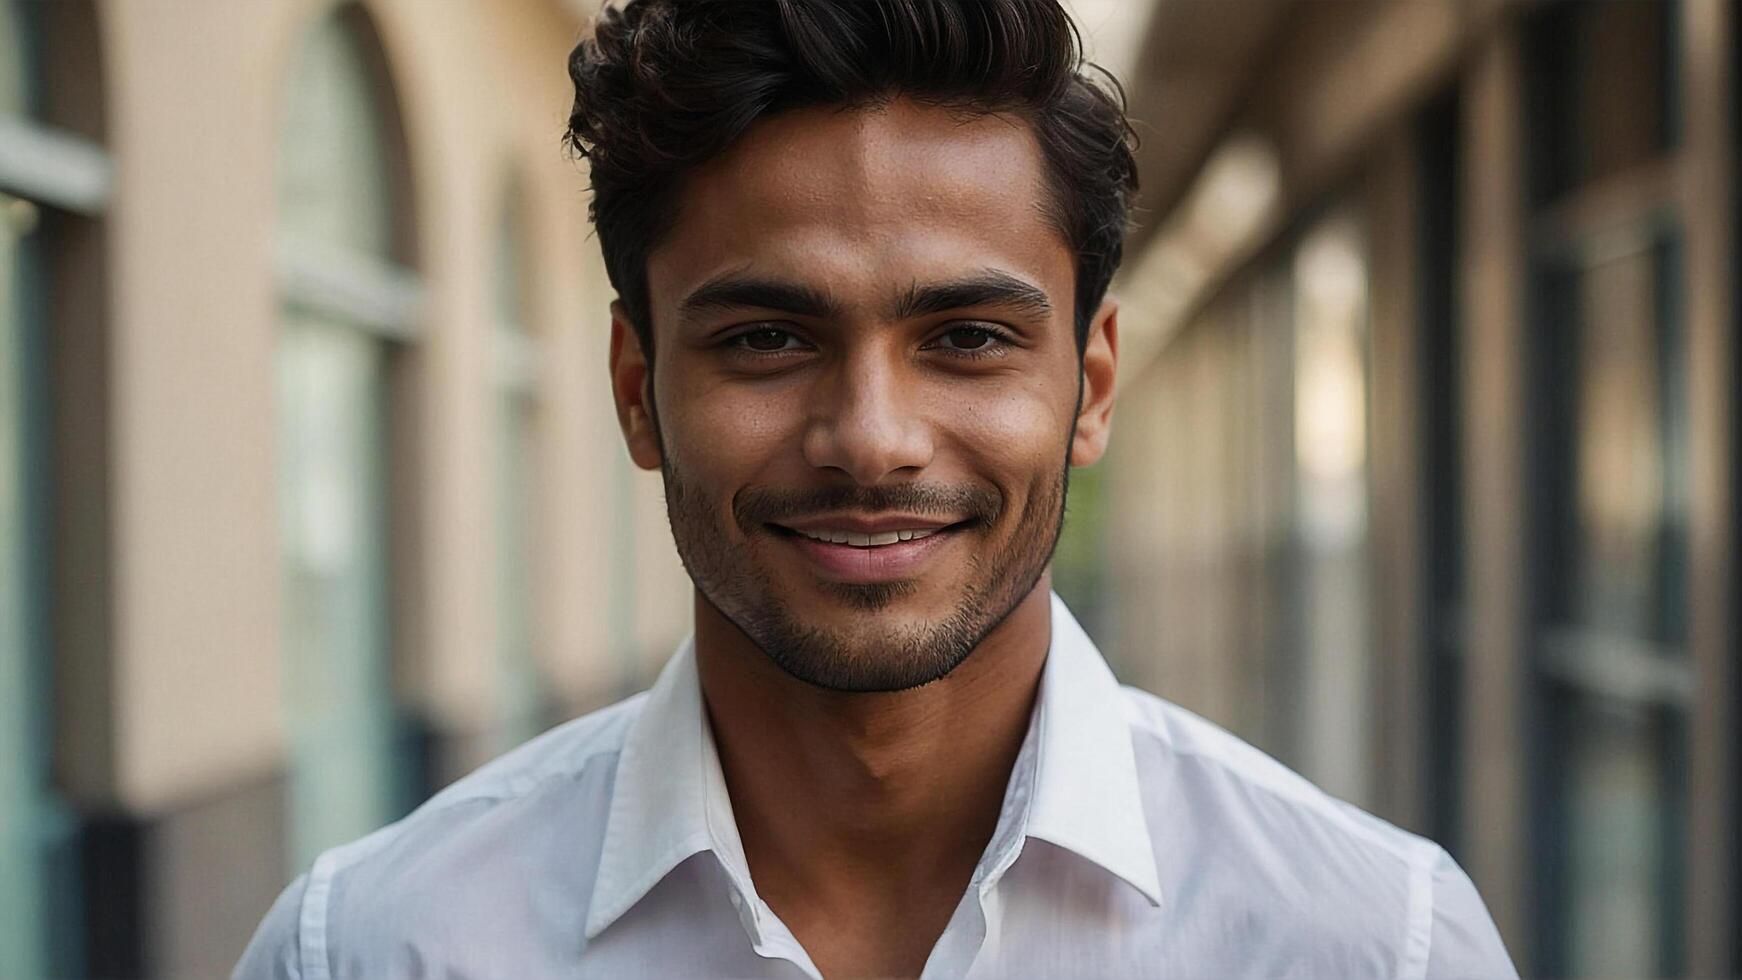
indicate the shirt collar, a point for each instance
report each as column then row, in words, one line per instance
column 669, row 801
column 1086, row 797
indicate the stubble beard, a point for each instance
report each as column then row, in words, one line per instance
column 866, row 659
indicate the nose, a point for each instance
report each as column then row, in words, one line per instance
column 865, row 421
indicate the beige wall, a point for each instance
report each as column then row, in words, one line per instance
column 193, row 94
column 196, row 638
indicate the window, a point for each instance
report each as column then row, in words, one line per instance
column 349, row 306
column 516, row 369
column 52, row 182
column 1334, row 583
column 1609, row 470
column 1246, row 583
column 22, row 754
column 1612, row 638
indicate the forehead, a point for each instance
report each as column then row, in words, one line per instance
column 867, row 200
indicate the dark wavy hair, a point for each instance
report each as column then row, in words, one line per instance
column 663, row 85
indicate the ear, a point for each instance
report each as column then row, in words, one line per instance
column 1100, row 364
column 630, row 390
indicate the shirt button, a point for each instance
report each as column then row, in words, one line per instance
column 737, row 900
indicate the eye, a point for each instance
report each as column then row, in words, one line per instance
column 974, row 340
column 766, row 340
column 968, row 338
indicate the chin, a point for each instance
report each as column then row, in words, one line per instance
column 873, row 597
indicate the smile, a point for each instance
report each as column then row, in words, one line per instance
column 867, row 555
column 859, row 540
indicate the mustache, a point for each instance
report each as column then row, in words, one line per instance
column 757, row 506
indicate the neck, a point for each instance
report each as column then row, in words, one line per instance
column 840, row 794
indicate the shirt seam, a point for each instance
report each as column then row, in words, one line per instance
column 1418, row 941
column 312, row 921
column 521, row 785
column 517, row 788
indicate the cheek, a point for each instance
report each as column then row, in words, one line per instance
column 722, row 432
column 1016, row 429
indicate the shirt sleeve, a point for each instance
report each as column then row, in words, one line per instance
column 275, row 951
column 1464, row 943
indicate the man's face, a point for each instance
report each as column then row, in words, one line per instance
column 865, row 386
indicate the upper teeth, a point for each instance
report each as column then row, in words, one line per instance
column 858, row 540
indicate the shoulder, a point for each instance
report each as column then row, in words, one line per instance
column 565, row 752
column 1292, row 862
column 1226, row 771
column 539, row 808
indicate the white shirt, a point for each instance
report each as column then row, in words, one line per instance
column 1135, row 840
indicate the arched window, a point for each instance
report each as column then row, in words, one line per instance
column 53, row 182
column 514, row 346
column 350, row 306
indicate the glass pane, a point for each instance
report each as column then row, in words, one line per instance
column 1620, row 840
column 331, row 452
column 1613, row 471
column 333, row 180
column 521, row 682
column 26, row 811
column 15, row 92
column 347, row 773
column 1625, row 515
column 509, row 279
column 522, row 687
column 1330, row 445
column 23, row 690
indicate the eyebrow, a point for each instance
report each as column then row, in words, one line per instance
column 988, row 287
column 734, row 291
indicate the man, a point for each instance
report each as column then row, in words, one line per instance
column 861, row 252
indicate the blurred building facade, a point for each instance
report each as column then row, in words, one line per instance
column 311, row 494
column 1424, row 470
column 311, row 497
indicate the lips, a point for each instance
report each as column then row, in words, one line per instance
column 864, row 557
